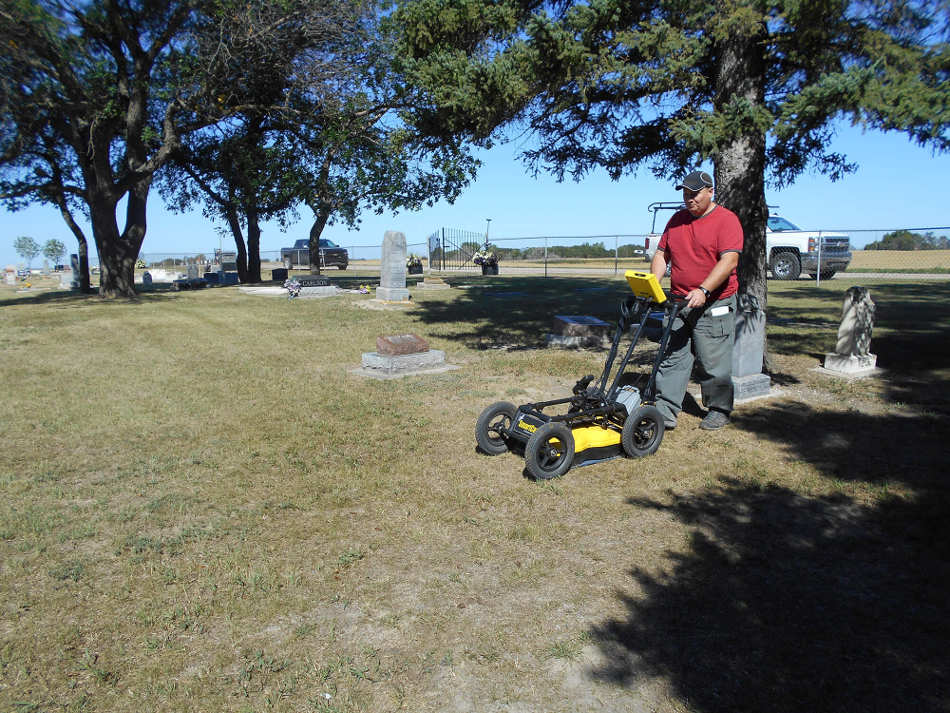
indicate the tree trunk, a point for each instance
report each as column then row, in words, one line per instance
column 83, row 250
column 118, row 253
column 116, row 256
column 253, row 245
column 740, row 163
column 322, row 216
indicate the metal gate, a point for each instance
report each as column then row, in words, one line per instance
column 452, row 249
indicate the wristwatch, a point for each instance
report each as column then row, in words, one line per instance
column 704, row 291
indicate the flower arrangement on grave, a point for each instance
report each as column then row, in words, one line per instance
column 413, row 260
column 364, row 289
column 485, row 257
column 293, row 288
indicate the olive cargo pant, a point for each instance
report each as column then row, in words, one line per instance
column 704, row 335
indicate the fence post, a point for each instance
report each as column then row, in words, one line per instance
column 545, row 257
column 818, row 274
column 616, row 254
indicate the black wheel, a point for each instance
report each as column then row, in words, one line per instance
column 825, row 274
column 785, row 265
column 288, row 263
column 550, row 451
column 642, row 432
column 342, row 267
column 491, row 427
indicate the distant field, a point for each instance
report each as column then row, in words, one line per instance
column 900, row 260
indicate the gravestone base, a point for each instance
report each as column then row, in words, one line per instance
column 386, row 366
column 752, row 386
column 851, row 365
column 432, row 283
column 318, row 291
column 312, row 280
column 392, row 294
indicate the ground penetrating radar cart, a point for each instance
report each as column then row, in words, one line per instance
column 600, row 422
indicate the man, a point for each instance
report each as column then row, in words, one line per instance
column 702, row 245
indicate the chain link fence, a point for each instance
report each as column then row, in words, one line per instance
column 926, row 254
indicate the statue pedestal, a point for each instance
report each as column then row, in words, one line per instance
column 852, row 365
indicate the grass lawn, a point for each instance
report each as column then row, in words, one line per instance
column 203, row 510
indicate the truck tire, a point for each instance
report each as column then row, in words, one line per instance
column 785, row 265
column 825, row 274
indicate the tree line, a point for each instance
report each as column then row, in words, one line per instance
column 907, row 240
column 264, row 110
column 27, row 248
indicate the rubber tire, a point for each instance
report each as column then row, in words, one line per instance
column 825, row 274
column 785, row 265
column 342, row 267
column 545, row 461
column 642, row 432
column 288, row 263
column 488, row 422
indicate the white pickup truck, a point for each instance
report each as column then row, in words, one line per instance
column 789, row 250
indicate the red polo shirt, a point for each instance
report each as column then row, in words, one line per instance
column 693, row 246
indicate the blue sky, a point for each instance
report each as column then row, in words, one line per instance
column 897, row 184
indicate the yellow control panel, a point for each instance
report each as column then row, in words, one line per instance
column 645, row 284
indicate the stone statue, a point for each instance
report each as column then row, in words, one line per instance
column 852, row 352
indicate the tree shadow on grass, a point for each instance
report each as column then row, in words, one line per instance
column 789, row 602
column 911, row 336
column 519, row 311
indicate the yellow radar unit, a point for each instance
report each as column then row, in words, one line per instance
column 645, row 284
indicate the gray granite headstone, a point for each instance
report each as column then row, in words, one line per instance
column 748, row 381
column 392, row 274
column 74, row 264
column 147, row 278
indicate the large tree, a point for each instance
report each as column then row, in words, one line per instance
column 96, row 96
column 338, row 144
column 757, row 87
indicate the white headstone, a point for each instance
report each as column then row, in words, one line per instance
column 392, row 275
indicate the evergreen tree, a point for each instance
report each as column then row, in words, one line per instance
column 754, row 86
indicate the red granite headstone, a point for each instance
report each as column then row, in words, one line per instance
column 401, row 344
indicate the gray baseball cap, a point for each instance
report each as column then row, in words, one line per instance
column 696, row 181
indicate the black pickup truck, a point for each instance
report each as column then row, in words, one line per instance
column 331, row 254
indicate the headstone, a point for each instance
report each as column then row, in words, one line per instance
column 66, row 280
column 228, row 261
column 852, row 352
column 212, row 277
column 192, row 273
column 11, row 278
column 147, row 278
column 401, row 344
column 392, row 274
column 748, row 381
column 316, row 286
column 74, row 271
column 578, row 330
column 279, row 274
